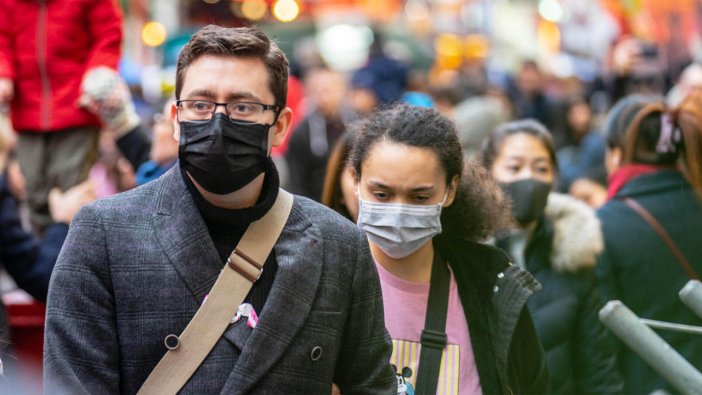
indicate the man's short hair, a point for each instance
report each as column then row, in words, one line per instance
column 237, row 42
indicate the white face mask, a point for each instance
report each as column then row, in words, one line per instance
column 399, row 229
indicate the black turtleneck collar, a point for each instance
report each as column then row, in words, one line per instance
column 227, row 226
column 222, row 219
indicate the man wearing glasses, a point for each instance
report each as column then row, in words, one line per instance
column 136, row 267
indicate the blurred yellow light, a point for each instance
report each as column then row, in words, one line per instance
column 448, row 44
column 476, row 46
column 286, row 10
column 449, row 51
column 549, row 35
column 254, row 9
column 211, row 1
column 153, row 34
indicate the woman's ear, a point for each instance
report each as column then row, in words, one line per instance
column 613, row 159
column 452, row 191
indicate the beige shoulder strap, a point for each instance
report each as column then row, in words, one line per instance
column 187, row 351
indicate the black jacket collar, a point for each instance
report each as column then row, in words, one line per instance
column 654, row 183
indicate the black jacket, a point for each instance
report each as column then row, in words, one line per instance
column 637, row 268
column 579, row 349
column 508, row 355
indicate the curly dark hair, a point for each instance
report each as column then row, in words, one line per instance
column 479, row 208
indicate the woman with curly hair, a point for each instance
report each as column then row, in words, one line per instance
column 455, row 308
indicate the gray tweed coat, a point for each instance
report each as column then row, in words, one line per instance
column 136, row 266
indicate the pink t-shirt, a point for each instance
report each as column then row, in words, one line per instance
column 405, row 305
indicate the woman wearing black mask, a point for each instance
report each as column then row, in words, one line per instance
column 456, row 300
column 557, row 239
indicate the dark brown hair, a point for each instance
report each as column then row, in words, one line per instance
column 493, row 143
column 237, row 42
column 635, row 124
column 331, row 191
column 479, row 208
column 688, row 116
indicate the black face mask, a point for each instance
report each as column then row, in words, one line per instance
column 221, row 155
column 528, row 199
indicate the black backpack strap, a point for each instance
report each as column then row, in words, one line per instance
column 434, row 333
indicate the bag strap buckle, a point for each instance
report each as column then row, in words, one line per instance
column 251, row 272
column 433, row 339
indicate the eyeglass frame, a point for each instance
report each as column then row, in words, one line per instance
column 266, row 107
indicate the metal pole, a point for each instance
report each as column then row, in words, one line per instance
column 691, row 295
column 649, row 346
column 669, row 326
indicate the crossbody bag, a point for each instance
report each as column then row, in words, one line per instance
column 658, row 228
column 243, row 267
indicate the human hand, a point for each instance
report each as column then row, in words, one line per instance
column 6, row 90
column 590, row 192
column 64, row 205
column 335, row 390
column 106, row 95
column 626, row 55
column 15, row 180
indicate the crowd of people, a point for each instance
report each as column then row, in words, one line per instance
column 472, row 229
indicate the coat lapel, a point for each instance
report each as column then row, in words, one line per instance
column 184, row 237
column 299, row 257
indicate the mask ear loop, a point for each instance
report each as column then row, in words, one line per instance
column 445, row 197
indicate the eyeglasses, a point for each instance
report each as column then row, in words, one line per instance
column 204, row 110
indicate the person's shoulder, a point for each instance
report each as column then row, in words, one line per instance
column 485, row 266
column 611, row 214
column 328, row 221
column 123, row 206
column 485, row 257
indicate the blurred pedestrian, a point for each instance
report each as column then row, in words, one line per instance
column 654, row 160
column 636, row 68
column 328, row 115
column 137, row 267
column 476, row 116
column 582, row 156
column 164, row 148
column 528, row 96
column 557, row 239
column 47, row 48
column 27, row 259
column 364, row 93
column 381, row 81
column 455, row 308
column 690, row 80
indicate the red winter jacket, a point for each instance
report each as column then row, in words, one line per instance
column 46, row 46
